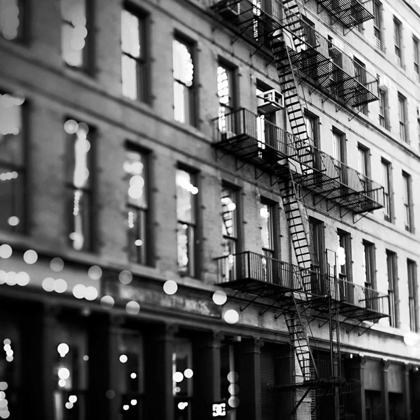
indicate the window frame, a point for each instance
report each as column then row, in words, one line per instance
column 88, row 191
column 388, row 190
column 402, row 118
column 142, row 62
column 377, row 23
column 21, row 168
column 413, row 295
column 408, row 202
column 393, row 292
column 398, row 42
column 190, row 114
column 416, row 58
column 383, row 115
column 192, row 226
column 87, row 55
column 142, row 213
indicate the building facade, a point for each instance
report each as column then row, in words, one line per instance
column 208, row 209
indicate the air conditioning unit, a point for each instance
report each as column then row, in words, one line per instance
column 384, row 83
column 231, row 10
column 272, row 101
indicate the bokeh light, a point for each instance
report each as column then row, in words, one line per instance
column 30, row 256
column 56, row 264
column 178, row 377
column 125, row 277
column 231, row 316
column 188, row 373
column 219, row 297
column 63, row 349
column 5, row 251
column 95, row 272
column 132, row 307
column 107, row 302
column 123, row 358
column 170, row 287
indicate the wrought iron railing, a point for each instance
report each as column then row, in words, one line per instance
column 243, row 123
column 349, row 12
column 344, row 291
column 252, row 266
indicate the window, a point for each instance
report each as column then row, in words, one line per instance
column 266, row 129
column 416, row 58
column 369, row 270
column 183, row 390
column 363, row 166
column 134, row 59
column 12, row 164
column 361, row 76
column 186, row 209
column 225, row 93
column 12, row 16
column 412, row 294
column 184, row 89
column 74, row 33
column 70, row 370
column 383, row 120
column 336, row 77
column 79, row 178
column 344, row 270
column 391, row 263
column 397, row 42
column 230, row 230
column 402, row 102
column 136, row 170
column 377, row 23
column 339, row 154
column 317, row 247
column 130, row 384
column 386, row 183
column 268, row 226
column 309, row 30
column 408, row 203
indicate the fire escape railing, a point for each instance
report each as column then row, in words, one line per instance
column 350, row 13
column 348, row 292
column 252, row 266
column 247, row 135
column 311, row 59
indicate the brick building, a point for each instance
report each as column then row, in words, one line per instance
column 208, row 209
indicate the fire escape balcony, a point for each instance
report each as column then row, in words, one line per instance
column 352, row 300
column 252, row 139
column 311, row 54
column 350, row 13
column 257, row 274
column 341, row 184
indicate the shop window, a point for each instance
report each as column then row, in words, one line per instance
column 12, row 163
column 130, row 375
column 10, row 369
column 79, row 183
column 136, row 170
column 186, row 208
column 182, row 380
column 75, row 36
column 134, row 59
column 70, row 372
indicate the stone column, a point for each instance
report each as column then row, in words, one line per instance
column 159, row 400
column 385, row 399
column 207, row 375
column 250, row 380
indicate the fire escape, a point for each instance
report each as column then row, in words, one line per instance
column 299, row 292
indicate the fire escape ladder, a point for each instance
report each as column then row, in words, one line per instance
column 298, row 327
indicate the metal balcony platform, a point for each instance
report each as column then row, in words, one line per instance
column 350, row 13
column 273, row 150
column 325, row 75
